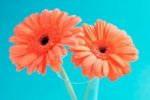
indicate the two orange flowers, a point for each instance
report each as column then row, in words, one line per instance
column 101, row 50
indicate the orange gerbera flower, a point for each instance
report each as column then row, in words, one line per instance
column 40, row 39
column 104, row 51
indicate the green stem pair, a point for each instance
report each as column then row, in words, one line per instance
column 88, row 89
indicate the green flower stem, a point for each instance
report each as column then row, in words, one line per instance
column 96, row 92
column 93, row 85
column 68, row 84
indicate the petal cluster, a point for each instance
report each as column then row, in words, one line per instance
column 39, row 40
column 104, row 50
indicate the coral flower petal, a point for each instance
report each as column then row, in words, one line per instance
column 90, row 33
column 82, row 54
column 80, row 48
column 98, row 68
column 88, row 63
column 42, row 66
column 57, row 51
column 35, row 64
column 27, row 59
column 117, row 60
column 100, row 25
column 105, row 67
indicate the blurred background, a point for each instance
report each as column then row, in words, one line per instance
column 130, row 15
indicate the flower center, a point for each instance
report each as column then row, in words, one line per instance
column 44, row 40
column 102, row 49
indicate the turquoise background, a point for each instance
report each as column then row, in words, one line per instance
column 130, row 15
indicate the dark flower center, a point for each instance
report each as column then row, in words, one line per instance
column 44, row 40
column 102, row 49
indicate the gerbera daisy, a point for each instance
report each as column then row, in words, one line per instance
column 39, row 40
column 105, row 50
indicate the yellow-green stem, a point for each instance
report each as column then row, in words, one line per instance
column 68, row 84
column 93, row 85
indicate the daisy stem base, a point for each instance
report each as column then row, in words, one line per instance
column 68, row 84
column 91, row 92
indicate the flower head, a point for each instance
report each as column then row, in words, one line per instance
column 104, row 50
column 39, row 40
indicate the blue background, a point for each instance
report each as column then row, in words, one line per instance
column 131, row 15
